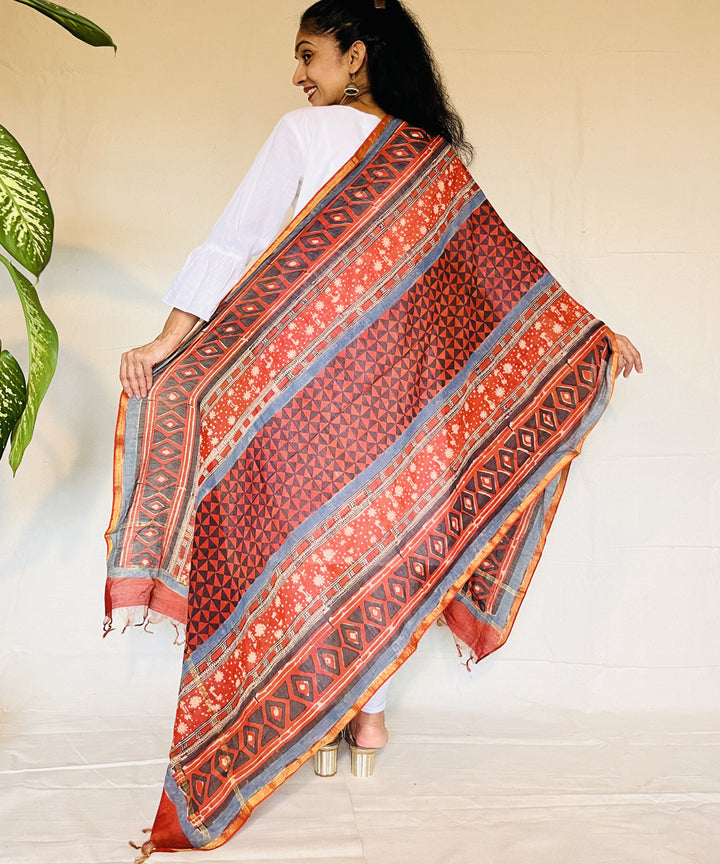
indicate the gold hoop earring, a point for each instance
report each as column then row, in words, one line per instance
column 351, row 89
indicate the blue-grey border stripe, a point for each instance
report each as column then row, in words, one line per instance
column 351, row 489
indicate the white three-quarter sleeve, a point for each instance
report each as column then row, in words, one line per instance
column 246, row 227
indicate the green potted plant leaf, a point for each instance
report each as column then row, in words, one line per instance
column 26, row 235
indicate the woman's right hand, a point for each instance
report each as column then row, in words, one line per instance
column 628, row 357
column 136, row 365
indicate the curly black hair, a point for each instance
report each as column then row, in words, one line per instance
column 404, row 77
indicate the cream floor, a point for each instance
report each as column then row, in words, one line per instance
column 566, row 790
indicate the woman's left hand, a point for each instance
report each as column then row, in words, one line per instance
column 628, row 357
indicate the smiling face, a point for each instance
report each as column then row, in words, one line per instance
column 323, row 71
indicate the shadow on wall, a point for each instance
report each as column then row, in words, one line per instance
column 54, row 513
column 64, row 484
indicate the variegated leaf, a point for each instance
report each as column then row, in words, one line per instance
column 12, row 396
column 26, row 217
column 80, row 27
column 43, row 342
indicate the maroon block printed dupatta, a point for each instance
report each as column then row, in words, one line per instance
column 375, row 427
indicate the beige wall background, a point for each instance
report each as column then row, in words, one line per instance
column 597, row 134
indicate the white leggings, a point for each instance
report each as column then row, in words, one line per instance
column 376, row 703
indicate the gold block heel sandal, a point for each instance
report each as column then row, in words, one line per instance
column 325, row 759
column 362, row 759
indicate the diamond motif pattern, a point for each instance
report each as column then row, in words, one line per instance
column 394, row 384
column 337, row 426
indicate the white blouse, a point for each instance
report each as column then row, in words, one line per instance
column 306, row 148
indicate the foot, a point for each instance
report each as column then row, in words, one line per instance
column 369, row 730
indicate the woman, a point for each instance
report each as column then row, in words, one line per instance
column 373, row 427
